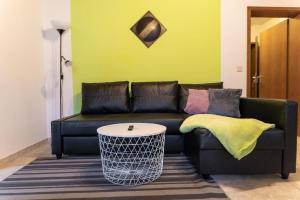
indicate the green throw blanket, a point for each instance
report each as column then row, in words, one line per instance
column 238, row 136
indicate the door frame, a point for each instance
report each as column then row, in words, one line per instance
column 272, row 12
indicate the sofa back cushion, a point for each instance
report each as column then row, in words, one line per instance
column 154, row 96
column 184, row 91
column 110, row 97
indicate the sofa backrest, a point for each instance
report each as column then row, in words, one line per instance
column 154, row 97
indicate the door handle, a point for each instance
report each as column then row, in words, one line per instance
column 257, row 79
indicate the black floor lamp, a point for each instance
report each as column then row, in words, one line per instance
column 61, row 75
column 61, row 28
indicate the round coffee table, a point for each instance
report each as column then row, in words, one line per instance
column 132, row 157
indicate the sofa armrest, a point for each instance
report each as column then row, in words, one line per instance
column 56, row 140
column 283, row 113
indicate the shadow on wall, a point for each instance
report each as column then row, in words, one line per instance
column 50, row 34
column 47, row 89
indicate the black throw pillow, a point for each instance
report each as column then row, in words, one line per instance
column 224, row 102
column 154, row 96
column 110, row 97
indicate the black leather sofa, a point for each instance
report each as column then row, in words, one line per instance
column 163, row 103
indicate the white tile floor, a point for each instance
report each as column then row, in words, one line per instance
column 262, row 186
column 239, row 187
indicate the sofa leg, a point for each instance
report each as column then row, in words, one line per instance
column 285, row 175
column 58, row 156
column 206, row 176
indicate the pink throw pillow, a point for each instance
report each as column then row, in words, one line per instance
column 197, row 102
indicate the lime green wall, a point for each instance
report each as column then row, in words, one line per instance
column 104, row 48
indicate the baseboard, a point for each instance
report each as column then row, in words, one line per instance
column 24, row 151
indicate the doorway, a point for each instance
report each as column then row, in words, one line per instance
column 273, row 60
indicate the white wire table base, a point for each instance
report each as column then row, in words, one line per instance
column 132, row 160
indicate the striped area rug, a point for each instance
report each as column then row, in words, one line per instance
column 82, row 178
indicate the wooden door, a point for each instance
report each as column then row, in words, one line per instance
column 294, row 63
column 273, row 62
column 254, row 75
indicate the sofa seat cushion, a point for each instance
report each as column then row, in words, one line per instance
column 87, row 125
column 270, row 139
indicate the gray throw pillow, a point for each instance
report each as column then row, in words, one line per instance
column 224, row 102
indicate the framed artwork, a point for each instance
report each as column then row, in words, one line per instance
column 148, row 29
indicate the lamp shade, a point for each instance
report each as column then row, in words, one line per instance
column 60, row 24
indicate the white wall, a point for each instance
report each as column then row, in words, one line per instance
column 22, row 106
column 234, row 37
column 58, row 10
